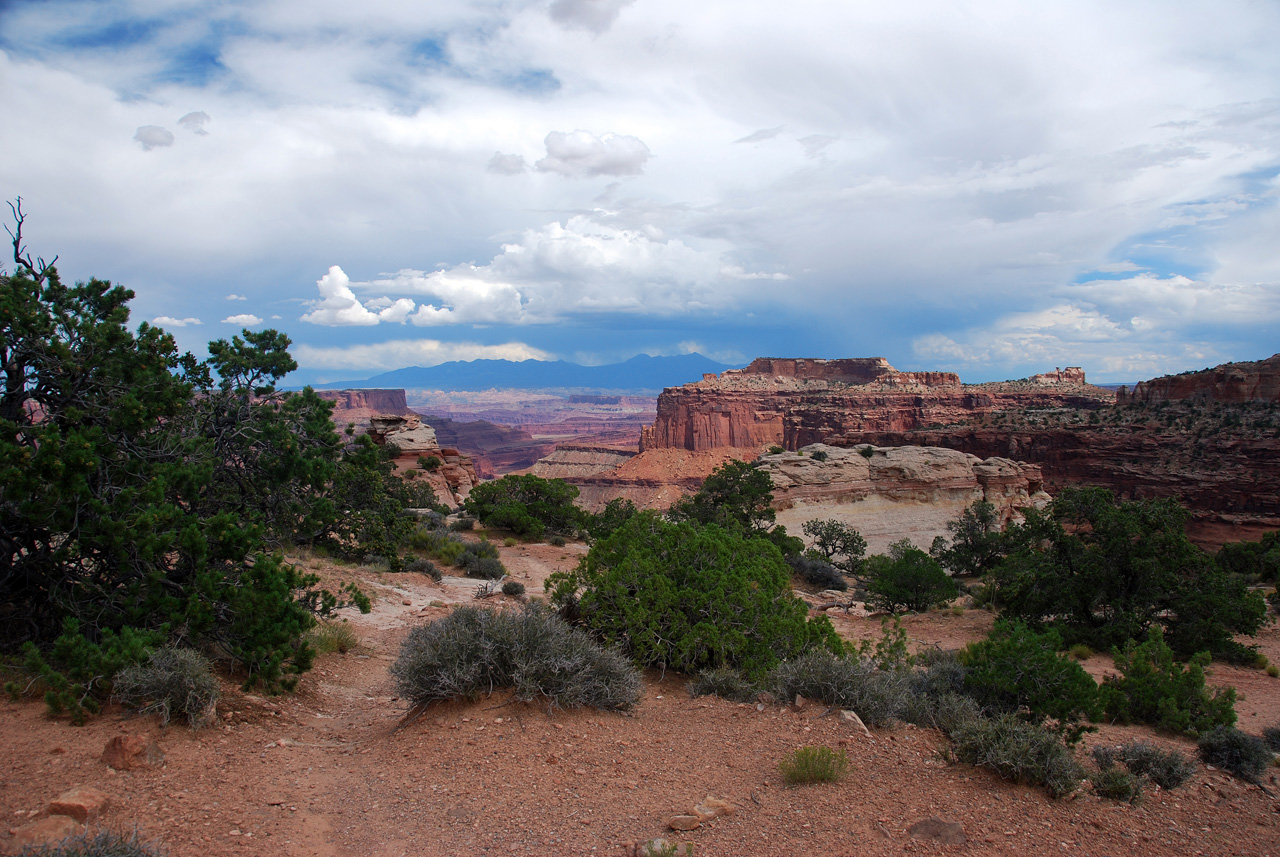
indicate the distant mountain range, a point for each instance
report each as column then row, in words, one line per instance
column 641, row 373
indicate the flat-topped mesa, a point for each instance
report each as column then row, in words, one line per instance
column 359, row 405
column 791, row 402
column 1255, row 381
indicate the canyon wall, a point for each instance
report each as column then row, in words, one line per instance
column 359, row 406
column 1257, row 381
column 794, row 402
column 893, row 493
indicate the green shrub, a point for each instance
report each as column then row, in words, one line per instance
column 1155, row 689
column 1166, row 768
column 866, row 451
column 817, row 572
column 946, row 712
column 814, row 765
column 429, row 463
column 510, row 541
column 1271, row 737
column 615, row 513
column 1080, row 652
column 513, row 588
column 820, row 455
column 1117, row 784
column 907, row 579
column 838, row 543
column 690, row 597
column 527, row 505
column 1016, row 670
column 480, row 560
column 723, row 682
column 1242, row 754
column 100, row 844
column 172, row 681
column 328, row 637
column 878, row 696
column 1018, row 751
column 557, row 541
column 474, row 651
column 1103, row 572
column 462, row 524
column 422, row 565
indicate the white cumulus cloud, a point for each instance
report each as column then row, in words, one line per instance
column 580, row 153
column 195, row 122
column 339, row 307
column 153, row 137
column 244, row 320
column 169, row 321
column 578, row 267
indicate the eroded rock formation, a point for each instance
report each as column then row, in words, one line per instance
column 359, row 406
column 452, row 480
column 890, row 493
column 794, row 402
column 577, row 461
column 1257, row 381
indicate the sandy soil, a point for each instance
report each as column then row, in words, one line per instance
column 331, row 770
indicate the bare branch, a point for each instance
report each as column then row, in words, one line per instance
column 38, row 269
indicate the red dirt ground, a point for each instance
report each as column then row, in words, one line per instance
column 327, row 771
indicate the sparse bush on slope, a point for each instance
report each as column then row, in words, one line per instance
column 474, row 651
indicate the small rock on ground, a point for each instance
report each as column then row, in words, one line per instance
column 83, row 803
column 127, row 752
column 44, row 831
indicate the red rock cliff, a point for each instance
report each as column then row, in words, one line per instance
column 794, row 402
column 1258, row 381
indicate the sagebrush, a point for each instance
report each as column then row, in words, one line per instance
column 173, row 681
column 474, row 651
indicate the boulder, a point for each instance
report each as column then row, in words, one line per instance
column 83, row 803
column 128, row 752
column 44, row 831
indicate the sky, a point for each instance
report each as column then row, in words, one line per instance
column 992, row 188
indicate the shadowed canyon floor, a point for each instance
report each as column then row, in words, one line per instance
column 332, row 770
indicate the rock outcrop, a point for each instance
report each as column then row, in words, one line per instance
column 890, row 493
column 452, row 480
column 357, row 407
column 1257, row 381
column 794, row 402
column 576, row 461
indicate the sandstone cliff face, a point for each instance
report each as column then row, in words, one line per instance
column 577, row 461
column 455, row 477
column 892, row 493
column 1258, row 381
column 791, row 403
column 359, row 406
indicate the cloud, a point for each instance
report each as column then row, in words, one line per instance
column 398, row 353
column 152, row 137
column 195, row 122
column 580, row 153
column 234, row 297
column 1125, row 328
column 761, row 135
column 577, row 268
column 339, row 307
column 507, row 165
column 596, row 16
column 168, row 321
column 244, row 320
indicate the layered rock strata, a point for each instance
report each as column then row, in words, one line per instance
column 452, row 480
column 900, row 492
column 578, row 461
column 794, row 402
column 1256, row 381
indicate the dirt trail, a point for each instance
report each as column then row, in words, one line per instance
column 327, row 772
